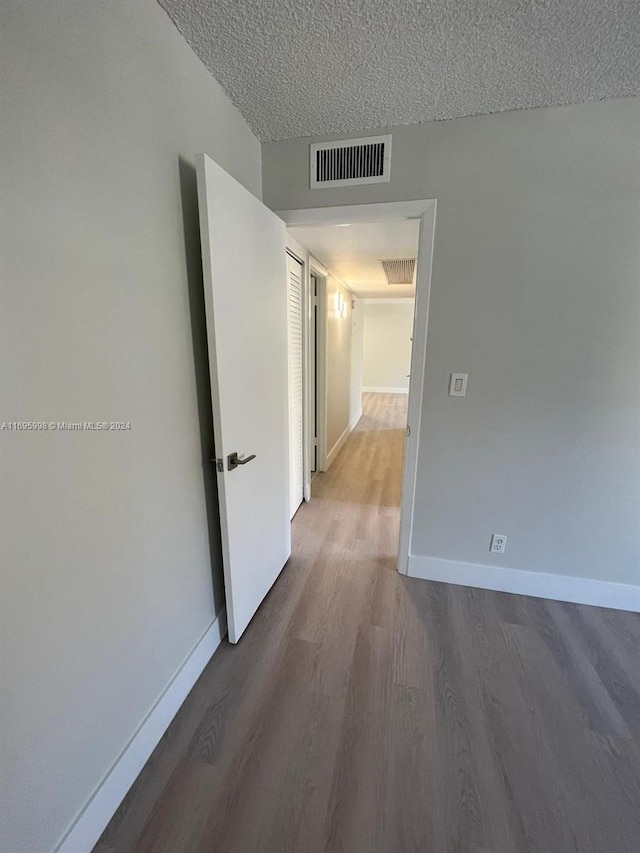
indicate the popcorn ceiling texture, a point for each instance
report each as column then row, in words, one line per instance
column 311, row 67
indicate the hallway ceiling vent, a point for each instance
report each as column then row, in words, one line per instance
column 350, row 162
column 399, row 270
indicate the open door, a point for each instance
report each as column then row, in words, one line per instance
column 243, row 256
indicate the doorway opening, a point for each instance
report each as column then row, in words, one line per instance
column 248, row 372
column 366, row 273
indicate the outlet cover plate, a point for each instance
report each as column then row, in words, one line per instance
column 498, row 543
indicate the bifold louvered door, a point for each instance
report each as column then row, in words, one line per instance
column 295, row 302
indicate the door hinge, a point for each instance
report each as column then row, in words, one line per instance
column 408, row 430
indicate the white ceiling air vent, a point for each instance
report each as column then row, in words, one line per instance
column 399, row 270
column 350, row 162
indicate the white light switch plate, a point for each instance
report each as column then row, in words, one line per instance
column 458, row 384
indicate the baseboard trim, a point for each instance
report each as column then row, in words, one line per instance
column 618, row 596
column 385, row 389
column 92, row 820
column 337, row 447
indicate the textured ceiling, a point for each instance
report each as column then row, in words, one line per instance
column 353, row 252
column 312, row 67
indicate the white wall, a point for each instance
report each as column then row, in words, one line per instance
column 386, row 360
column 357, row 343
column 339, row 360
column 534, row 294
column 106, row 550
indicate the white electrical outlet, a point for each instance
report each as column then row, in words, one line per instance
column 498, row 543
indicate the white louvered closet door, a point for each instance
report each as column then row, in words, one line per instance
column 296, row 467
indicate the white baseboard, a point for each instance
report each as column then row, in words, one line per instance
column 92, row 820
column 618, row 596
column 337, row 447
column 385, row 390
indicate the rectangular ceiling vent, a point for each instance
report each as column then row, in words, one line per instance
column 350, row 162
column 399, row 270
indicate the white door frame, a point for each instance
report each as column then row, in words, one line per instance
column 425, row 210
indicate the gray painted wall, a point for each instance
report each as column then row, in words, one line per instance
column 386, row 358
column 535, row 294
column 339, row 359
column 357, row 338
column 108, row 539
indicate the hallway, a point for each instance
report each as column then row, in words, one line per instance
column 365, row 712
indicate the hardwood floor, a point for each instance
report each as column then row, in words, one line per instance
column 365, row 712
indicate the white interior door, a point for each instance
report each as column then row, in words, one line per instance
column 296, row 420
column 243, row 253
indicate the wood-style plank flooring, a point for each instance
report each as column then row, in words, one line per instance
column 365, row 712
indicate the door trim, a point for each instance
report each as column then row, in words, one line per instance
column 425, row 210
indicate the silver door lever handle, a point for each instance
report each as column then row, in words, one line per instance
column 233, row 460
